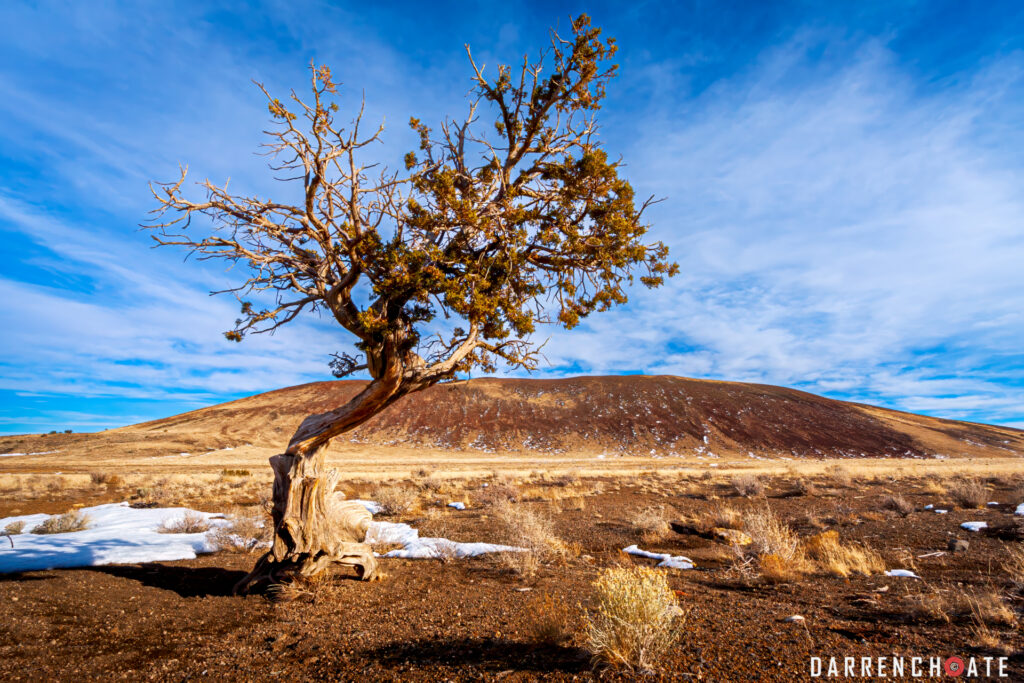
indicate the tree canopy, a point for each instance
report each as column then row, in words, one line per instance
column 508, row 217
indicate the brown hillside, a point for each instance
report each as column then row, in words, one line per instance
column 617, row 414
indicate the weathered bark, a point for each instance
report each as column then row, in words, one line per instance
column 313, row 528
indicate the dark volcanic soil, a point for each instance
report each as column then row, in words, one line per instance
column 472, row 620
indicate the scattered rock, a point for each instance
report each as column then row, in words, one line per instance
column 957, row 545
column 794, row 618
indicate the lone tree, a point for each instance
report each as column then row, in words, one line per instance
column 483, row 236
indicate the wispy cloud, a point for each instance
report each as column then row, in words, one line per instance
column 844, row 223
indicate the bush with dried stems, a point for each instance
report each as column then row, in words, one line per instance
column 248, row 529
column 396, row 500
column 839, row 476
column 533, row 531
column 497, row 493
column 190, row 523
column 775, row 546
column 553, row 619
column 968, row 493
column 842, row 560
column 13, row 529
column 106, row 479
column 75, row 520
column 897, row 504
column 636, row 621
column 748, row 485
column 651, row 523
column 1014, row 568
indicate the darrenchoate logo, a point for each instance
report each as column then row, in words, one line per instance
column 908, row 667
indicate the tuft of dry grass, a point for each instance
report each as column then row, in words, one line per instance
column 13, row 529
column 190, row 523
column 839, row 476
column 775, row 545
column 933, row 484
column 636, row 621
column 968, row 493
column 770, row 535
column 74, row 520
column 106, row 479
column 497, row 493
column 531, row 530
column 248, row 529
column 651, row 523
column 748, row 485
column 396, row 500
column 321, row 588
column 988, row 608
column 553, row 619
column 897, row 504
column 1014, row 568
column 842, row 560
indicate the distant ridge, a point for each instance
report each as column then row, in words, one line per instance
column 632, row 414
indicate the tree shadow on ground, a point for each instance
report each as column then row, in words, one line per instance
column 493, row 653
column 188, row 582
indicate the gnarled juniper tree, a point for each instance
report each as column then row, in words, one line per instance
column 509, row 217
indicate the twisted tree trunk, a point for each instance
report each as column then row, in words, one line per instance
column 312, row 529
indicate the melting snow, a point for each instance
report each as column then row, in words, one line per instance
column 906, row 573
column 941, row 512
column 667, row 561
column 11, row 455
column 458, row 505
column 416, row 548
column 974, row 526
column 117, row 534
column 1020, row 509
column 372, row 507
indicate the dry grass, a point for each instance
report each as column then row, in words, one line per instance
column 531, row 530
column 988, row 608
column 968, row 493
column 1014, row 568
column 106, row 479
column 775, row 545
column 842, row 560
column 13, row 529
column 839, row 476
column 319, row 589
column 651, row 524
column 770, row 535
column 74, row 520
column 933, row 484
column 497, row 493
column 190, row 523
column 748, row 485
column 897, row 504
column 396, row 501
column 636, row 620
column 553, row 619
column 248, row 529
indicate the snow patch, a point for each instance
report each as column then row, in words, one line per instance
column 666, row 560
column 974, row 526
column 458, row 505
column 11, row 455
column 1020, row 510
column 372, row 507
column 117, row 534
column 416, row 548
column 905, row 573
column 941, row 512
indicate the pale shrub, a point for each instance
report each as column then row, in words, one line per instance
column 636, row 620
column 247, row 530
column 651, row 523
column 748, row 485
column 533, row 531
column 190, row 523
column 63, row 524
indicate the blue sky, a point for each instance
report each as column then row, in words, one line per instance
column 844, row 184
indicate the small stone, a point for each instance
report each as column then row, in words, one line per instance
column 957, row 545
column 793, row 619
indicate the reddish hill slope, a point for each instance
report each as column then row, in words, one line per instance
column 631, row 414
